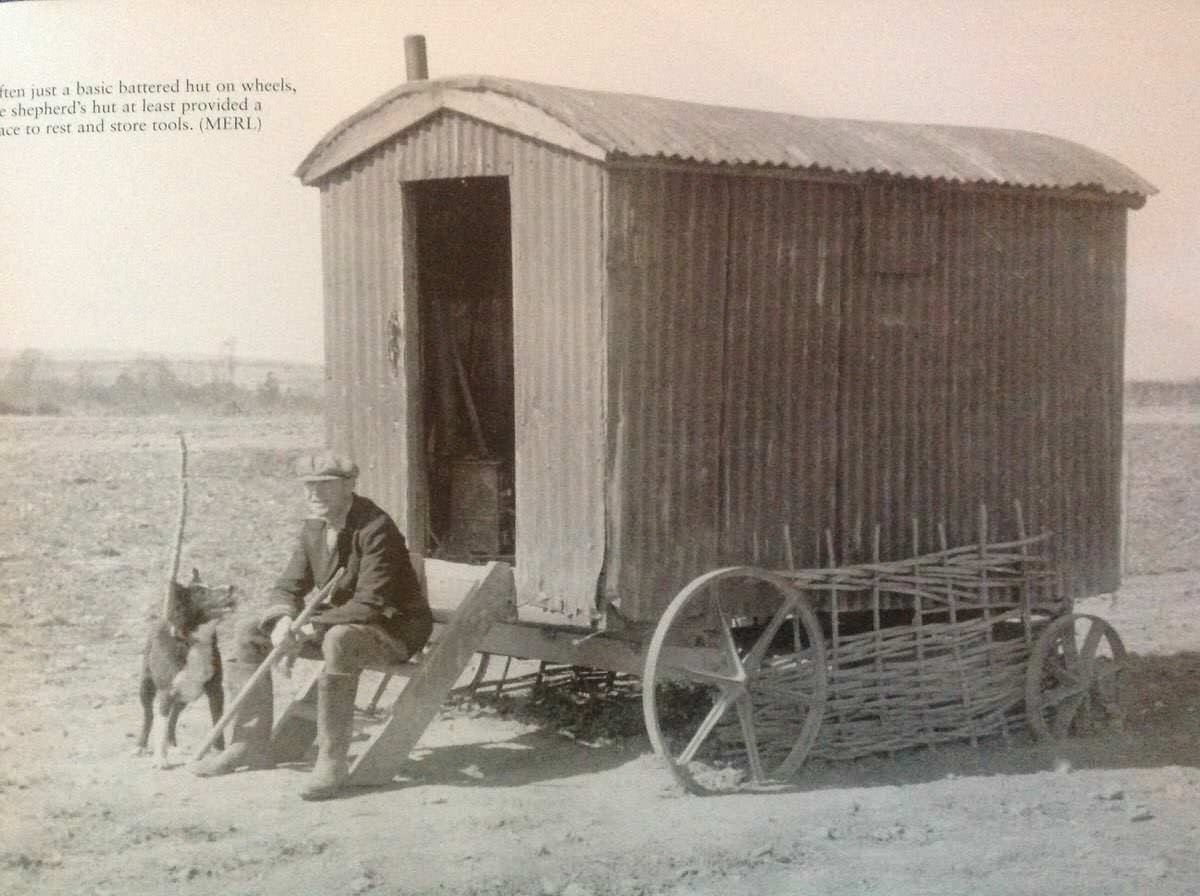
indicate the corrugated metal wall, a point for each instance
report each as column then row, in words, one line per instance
column 889, row 352
column 558, row 263
column 767, row 351
column 366, row 405
column 1060, row 266
column 559, row 341
column 668, row 271
column 792, row 266
column 981, row 362
column 893, row 390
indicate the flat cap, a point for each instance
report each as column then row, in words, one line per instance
column 325, row 465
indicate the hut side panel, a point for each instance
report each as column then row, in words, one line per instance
column 893, row 415
column 792, row 262
column 668, row 269
column 982, row 365
column 1089, row 248
column 557, row 270
column 1001, row 365
column 366, row 412
column 1037, row 304
column 558, row 299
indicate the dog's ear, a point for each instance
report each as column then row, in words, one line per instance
column 195, row 576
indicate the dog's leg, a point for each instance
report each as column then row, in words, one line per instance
column 164, row 709
column 172, row 721
column 147, row 697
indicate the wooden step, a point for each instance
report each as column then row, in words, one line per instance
column 489, row 599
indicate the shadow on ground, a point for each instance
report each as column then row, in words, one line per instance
column 1161, row 696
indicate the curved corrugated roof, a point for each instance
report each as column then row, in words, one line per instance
column 626, row 126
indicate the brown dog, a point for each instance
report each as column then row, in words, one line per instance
column 182, row 661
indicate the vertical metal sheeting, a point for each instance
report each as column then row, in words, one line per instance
column 558, row 315
column 988, row 373
column 893, row 387
column 791, row 266
column 1037, row 306
column 559, row 342
column 365, row 400
column 838, row 357
column 667, row 263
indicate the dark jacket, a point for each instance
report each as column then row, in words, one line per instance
column 378, row 587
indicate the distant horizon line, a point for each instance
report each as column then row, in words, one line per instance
column 120, row 354
column 7, row 352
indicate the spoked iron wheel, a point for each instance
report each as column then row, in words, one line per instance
column 1072, row 684
column 735, row 682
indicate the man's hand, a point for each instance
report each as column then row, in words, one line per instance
column 294, row 639
column 282, row 635
column 282, row 632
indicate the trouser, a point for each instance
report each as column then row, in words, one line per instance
column 346, row 649
column 256, row 742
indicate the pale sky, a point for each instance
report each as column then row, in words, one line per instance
column 175, row 242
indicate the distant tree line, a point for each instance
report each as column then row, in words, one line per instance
column 34, row 385
column 1163, row 393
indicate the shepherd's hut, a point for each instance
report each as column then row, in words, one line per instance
column 624, row 339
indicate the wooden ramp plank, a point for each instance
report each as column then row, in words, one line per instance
column 296, row 727
column 447, row 585
column 492, row 598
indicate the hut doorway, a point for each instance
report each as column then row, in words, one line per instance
column 464, row 277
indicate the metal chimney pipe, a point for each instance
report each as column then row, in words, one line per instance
column 414, row 57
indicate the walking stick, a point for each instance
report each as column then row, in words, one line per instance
column 277, row 653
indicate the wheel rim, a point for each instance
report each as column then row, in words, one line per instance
column 729, row 701
column 1073, row 681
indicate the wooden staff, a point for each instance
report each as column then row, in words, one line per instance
column 277, row 653
column 168, row 609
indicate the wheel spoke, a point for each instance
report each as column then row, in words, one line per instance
column 1073, row 676
column 759, row 650
column 778, row 695
column 703, row 676
column 1065, row 674
column 706, row 727
column 1087, row 655
column 1066, row 715
column 745, row 711
column 1070, row 648
column 727, row 639
column 1055, row 696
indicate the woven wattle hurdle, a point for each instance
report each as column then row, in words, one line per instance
column 935, row 681
column 920, row 698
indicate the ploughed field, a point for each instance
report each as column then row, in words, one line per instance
column 554, row 796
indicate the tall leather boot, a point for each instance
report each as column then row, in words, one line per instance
column 250, row 742
column 335, row 725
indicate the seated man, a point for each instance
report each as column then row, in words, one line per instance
column 377, row 615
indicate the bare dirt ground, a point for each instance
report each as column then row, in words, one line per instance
column 511, row 798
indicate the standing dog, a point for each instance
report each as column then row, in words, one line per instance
column 182, row 661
